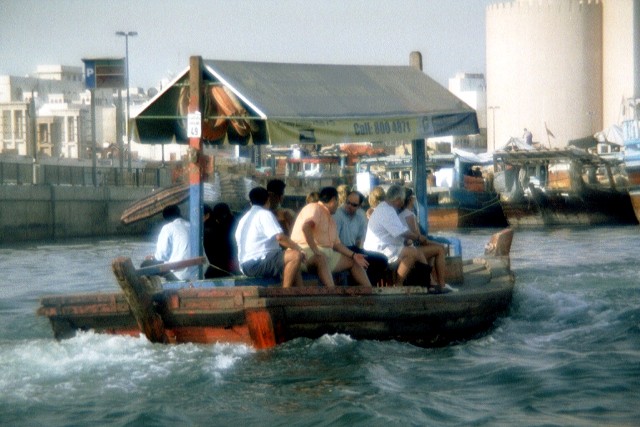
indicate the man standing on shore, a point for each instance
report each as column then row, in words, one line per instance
column 316, row 232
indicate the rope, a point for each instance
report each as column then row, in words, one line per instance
column 494, row 201
column 223, row 270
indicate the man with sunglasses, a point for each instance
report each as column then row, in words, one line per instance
column 352, row 228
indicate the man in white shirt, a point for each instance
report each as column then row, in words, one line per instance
column 259, row 238
column 386, row 234
column 173, row 243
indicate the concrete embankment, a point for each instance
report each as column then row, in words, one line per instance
column 47, row 212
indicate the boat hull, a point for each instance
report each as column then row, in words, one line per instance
column 572, row 209
column 468, row 209
column 267, row 316
column 633, row 176
column 635, row 201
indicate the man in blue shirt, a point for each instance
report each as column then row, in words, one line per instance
column 352, row 228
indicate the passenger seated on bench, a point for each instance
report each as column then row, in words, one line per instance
column 259, row 238
column 386, row 234
column 173, row 245
column 433, row 251
column 286, row 217
column 312, row 197
column 316, row 232
column 375, row 197
column 352, row 227
column 219, row 242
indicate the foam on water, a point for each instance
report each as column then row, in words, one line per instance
column 566, row 354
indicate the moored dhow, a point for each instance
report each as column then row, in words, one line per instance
column 558, row 187
column 631, row 140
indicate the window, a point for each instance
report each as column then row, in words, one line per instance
column 71, row 129
column 6, row 125
column 19, row 130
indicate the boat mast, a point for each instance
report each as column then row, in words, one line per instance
column 194, row 123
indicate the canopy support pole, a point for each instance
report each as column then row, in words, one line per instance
column 418, row 163
column 194, row 157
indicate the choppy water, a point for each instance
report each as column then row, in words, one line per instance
column 568, row 353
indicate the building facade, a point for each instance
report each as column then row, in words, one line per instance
column 44, row 115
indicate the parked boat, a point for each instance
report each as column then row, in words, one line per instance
column 257, row 313
column 543, row 187
column 631, row 140
column 459, row 195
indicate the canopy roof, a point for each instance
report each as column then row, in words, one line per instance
column 280, row 103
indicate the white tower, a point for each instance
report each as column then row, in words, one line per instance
column 544, row 70
column 621, row 56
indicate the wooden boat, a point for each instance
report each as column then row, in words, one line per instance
column 159, row 199
column 631, row 141
column 541, row 187
column 242, row 310
column 252, row 312
column 155, row 203
column 462, row 200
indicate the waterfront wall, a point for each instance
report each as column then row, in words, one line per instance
column 49, row 212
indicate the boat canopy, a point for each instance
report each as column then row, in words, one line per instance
column 286, row 103
column 515, row 156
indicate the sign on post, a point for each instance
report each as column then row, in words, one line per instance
column 194, row 124
column 104, row 73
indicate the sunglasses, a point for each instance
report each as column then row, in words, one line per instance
column 355, row 205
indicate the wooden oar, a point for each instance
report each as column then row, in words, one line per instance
column 139, row 295
column 158, row 269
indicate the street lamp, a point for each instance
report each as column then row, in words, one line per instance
column 126, row 36
column 493, row 108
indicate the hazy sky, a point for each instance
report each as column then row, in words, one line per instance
column 450, row 34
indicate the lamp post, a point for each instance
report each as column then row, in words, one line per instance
column 493, row 108
column 126, row 36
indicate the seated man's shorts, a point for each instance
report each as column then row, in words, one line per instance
column 272, row 265
column 332, row 257
column 392, row 253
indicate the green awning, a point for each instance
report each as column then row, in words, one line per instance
column 285, row 104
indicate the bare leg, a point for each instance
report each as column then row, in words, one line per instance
column 408, row 257
column 437, row 253
column 320, row 265
column 358, row 273
column 292, row 261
